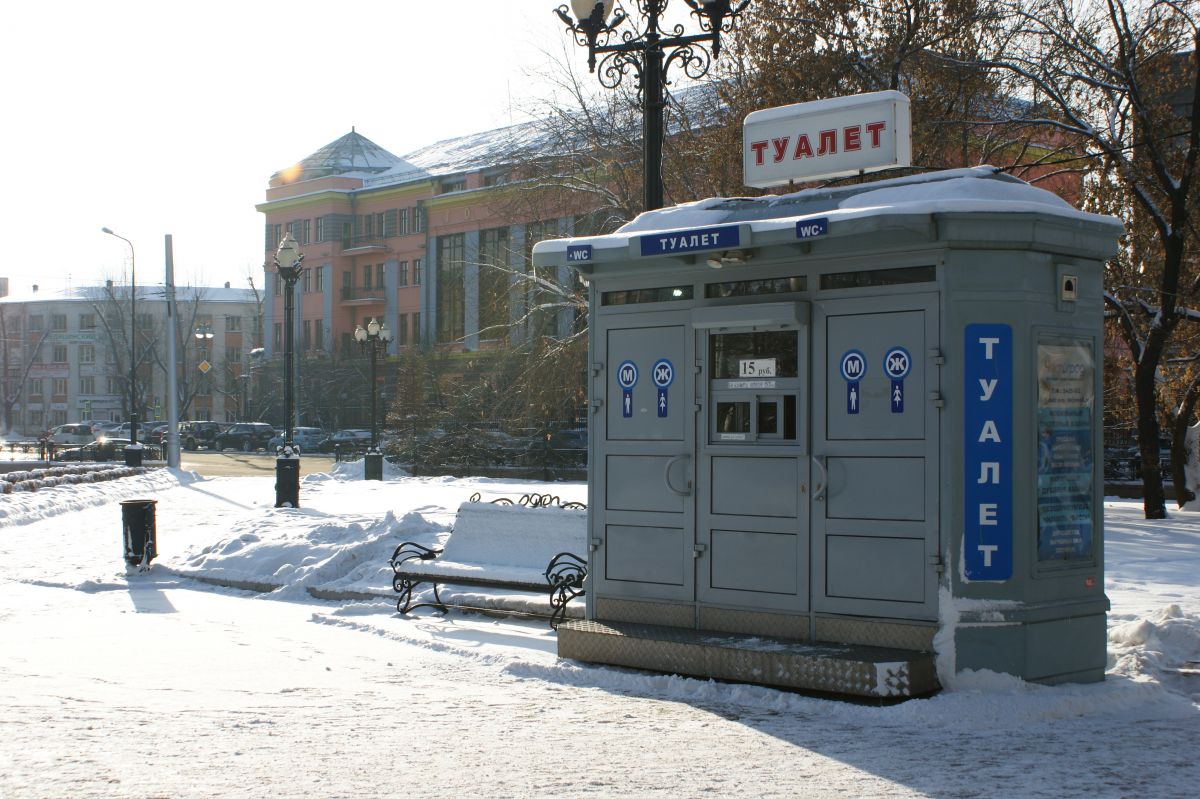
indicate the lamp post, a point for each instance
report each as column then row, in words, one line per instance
column 133, row 452
column 374, row 338
column 648, row 53
column 288, row 260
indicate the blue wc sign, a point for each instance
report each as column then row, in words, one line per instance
column 897, row 363
column 853, row 367
column 627, row 377
column 664, row 376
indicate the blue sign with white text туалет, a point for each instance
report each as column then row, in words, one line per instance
column 676, row 242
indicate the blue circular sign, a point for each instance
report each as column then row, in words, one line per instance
column 664, row 373
column 854, row 366
column 627, row 375
column 897, row 363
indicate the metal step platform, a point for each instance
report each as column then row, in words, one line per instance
column 842, row 669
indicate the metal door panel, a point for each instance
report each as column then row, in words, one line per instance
column 875, row 522
column 643, row 519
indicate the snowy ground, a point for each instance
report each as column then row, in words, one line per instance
column 130, row 685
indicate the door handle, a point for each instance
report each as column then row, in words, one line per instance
column 819, row 488
column 667, row 476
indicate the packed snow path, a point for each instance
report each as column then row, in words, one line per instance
column 154, row 685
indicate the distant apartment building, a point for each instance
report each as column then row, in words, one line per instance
column 430, row 243
column 65, row 354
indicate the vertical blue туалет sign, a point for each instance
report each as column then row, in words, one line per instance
column 987, row 452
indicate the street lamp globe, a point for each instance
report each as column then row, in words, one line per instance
column 360, row 334
column 287, row 256
column 385, row 334
column 585, row 8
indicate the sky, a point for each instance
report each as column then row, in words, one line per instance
column 154, row 118
column 137, row 684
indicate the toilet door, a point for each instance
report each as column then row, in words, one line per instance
column 752, row 538
column 876, row 541
column 643, row 535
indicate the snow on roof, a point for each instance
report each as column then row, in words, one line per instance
column 351, row 154
column 974, row 189
column 150, row 292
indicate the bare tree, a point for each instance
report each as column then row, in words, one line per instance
column 1121, row 78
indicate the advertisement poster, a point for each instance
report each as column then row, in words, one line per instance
column 1065, row 415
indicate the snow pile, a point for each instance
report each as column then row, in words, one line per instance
column 353, row 470
column 45, row 497
column 37, row 479
column 311, row 552
column 1162, row 649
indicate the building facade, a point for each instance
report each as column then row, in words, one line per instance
column 65, row 355
column 432, row 243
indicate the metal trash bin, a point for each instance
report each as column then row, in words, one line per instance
column 287, row 481
column 139, row 531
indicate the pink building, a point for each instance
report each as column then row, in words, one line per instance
column 413, row 241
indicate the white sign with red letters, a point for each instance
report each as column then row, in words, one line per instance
column 827, row 138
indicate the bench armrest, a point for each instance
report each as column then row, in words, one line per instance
column 411, row 550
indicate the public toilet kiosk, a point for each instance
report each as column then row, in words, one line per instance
column 846, row 439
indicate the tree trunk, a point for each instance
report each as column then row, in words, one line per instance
column 1154, row 502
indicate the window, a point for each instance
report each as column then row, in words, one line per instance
column 60, row 353
column 453, row 184
column 233, row 324
column 35, row 323
column 278, row 285
column 347, row 285
column 493, row 282
column 402, row 274
column 37, row 420
column 278, row 336
column 542, row 322
column 87, row 353
column 416, row 336
column 273, row 234
column 366, row 273
column 402, row 222
column 300, row 229
column 57, row 418
column 233, row 355
column 35, row 387
column 59, row 388
column 638, row 296
column 451, row 255
column 318, row 335
column 306, row 335
column 87, row 321
column 306, row 282
column 878, row 277
column 418, row 271
column 495, row 179
column 320, row 278
column 418, row 219
column 114, row 385
column 402, row 330
column 379, row 276
column 58, row 321
column 87, row 385
column 145, row 321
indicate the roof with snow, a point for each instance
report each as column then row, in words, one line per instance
column 147, row 292
column 351, row 154
column 772, row 219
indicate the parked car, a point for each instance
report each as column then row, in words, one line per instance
column 350, row 439
column 307, row 438
column 193, row 435
column 71, row 434
column 153, row 433
column 246, row 436
column 102, row 449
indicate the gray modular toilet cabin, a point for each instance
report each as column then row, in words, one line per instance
column 846, row 439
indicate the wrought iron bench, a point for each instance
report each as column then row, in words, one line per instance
column 531, row 546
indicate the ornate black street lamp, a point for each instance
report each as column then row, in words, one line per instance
column 374, row 338
column 288, row 260
column 133, row 452
column 648, row 52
